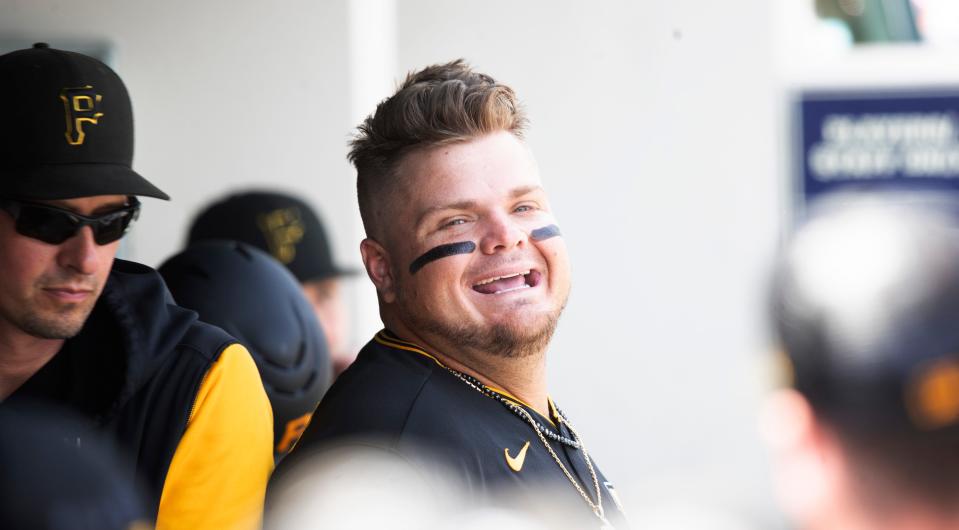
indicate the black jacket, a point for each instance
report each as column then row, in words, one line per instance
column 133, row 372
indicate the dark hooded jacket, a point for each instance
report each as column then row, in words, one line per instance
column 133, row 372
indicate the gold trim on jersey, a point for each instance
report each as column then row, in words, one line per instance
column 387, row 340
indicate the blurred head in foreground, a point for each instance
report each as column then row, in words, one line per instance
column 336, row 487
column 59, row 475
column 865, row 305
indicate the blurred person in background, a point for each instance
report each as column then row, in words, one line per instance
column 865, row 306
column 292, row 232
column 250, row 295
column 101, row 337
column 471, row 274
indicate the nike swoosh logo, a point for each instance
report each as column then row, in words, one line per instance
column 516, row 463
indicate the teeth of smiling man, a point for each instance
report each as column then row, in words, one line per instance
column 524, row 286
column 491, row 280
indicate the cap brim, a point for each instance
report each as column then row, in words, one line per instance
column 69, row 181
column 349, row 271
column 335, row 272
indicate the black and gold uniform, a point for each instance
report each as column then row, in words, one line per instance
column 402, row 399
column 182, row 398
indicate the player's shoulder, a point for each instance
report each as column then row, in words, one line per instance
column 207, row 341
column 375, row 395
column 155, row 327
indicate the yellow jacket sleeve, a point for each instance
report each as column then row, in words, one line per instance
column 217, row 478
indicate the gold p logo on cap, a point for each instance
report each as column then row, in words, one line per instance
column 81, row 106
column 283, row 229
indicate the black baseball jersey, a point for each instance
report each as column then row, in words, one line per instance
column 401, row 398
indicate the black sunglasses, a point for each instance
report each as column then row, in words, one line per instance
column 55, row 225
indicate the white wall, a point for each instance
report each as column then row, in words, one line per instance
column 226, row 95
column 655, row 127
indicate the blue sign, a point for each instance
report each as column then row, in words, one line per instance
column 879, row 141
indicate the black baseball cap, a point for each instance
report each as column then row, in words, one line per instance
column 67, row 129
column 281, row 225
column 865, row 304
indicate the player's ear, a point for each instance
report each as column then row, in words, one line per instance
column 379, row 268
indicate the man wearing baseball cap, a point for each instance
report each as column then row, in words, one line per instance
column 866, row 309
column 101, row 337
column 291, row 232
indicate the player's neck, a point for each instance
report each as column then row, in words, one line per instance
column 522, row 377
column 21, row 356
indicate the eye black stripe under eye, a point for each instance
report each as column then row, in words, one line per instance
column 442, row 251
column 545, row 232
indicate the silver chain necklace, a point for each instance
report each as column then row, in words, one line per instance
column 543, row 432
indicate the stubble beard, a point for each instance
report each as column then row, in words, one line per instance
column 61, row 324
column 56, row 321
column 509, row 341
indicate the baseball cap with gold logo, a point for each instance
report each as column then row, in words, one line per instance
column 67, row 128
column 282, row 225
